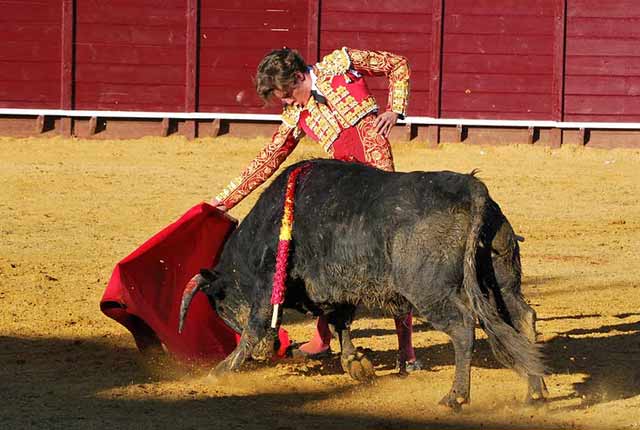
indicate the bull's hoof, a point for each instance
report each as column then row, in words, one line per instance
column 453, row 402
column 358, row 366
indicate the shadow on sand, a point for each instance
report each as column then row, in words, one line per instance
column 61, row 384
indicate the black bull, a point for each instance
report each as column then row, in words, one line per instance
column 434, row 242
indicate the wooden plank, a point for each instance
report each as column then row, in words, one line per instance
column 433, row 135
column 555, row 137
column 557, row 82
column 224, row 58
column 583, row 136
column 14, row 12
column 165, row 126
column 189, row 129
column 32, row 72
column 117, row 93
column 93, row 125
column 191, row 60
column 216, row 126
column 272, row 110
column 115, row 96
column 460, row 133
column 40, row 121
column 495, row 102
column 66, row 62
column 148, row 74
column 435, row 69
column 498, row 82
column 230, row 20
column 66, row 126
column 131, row 34
column 408, row 132
column 602, row 117
column 497, row 44
column 244, row 5
column 603, row 85
column 524, row 116
column 43, row 92
column 18, row 51
column 382, row 41
column 214, row 77
column 609, row 28
column 130, row 105
column 29, row 31
column 101, row 12
column 29, row 104
column 609, row 9
column 533, row 134
column 312, row 53
column 602, row 47
column 602, row 66
column 485, row 63
column 111, row 54
column 191, row 67
column 265, row 39
column 602, row 105
column 500, row 8
column 499, row 24
column 374, row 6
column 378, row 22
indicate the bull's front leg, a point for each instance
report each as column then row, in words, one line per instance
column 353, row 360
column 256, row 330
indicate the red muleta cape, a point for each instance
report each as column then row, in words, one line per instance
column 145, row 289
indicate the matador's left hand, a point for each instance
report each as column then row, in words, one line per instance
column 385, row 122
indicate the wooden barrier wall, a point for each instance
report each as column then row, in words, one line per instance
column 558, row 60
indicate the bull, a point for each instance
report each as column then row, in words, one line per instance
column 434, row 242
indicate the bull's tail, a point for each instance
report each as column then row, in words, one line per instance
column 193, row 286
column 510, row 347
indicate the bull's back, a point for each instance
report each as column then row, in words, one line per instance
column 357, row 227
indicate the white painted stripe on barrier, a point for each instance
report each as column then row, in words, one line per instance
column 139, row 114
column 416, row 120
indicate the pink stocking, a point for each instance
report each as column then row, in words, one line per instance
column 404, row 329
column 321, row 339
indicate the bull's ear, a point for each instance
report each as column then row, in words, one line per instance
column 208, row 275
column 215, row 286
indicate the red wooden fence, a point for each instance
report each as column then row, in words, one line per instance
column 556, row 60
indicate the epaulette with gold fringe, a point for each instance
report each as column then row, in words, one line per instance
column 336, row 63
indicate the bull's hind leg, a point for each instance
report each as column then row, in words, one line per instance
column 524, row 320
column 461, row 329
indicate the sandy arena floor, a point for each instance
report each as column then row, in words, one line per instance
column 70, row 209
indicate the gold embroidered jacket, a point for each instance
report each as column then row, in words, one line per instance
column 344, row 101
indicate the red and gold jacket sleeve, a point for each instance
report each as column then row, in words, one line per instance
column 394, row 67
column 284, row 140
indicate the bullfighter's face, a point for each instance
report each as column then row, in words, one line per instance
column 298, row 94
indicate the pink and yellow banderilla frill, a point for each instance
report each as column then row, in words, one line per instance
column 282, row 255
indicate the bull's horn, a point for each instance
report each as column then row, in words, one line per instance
column 190, row 290
column 519, row 238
